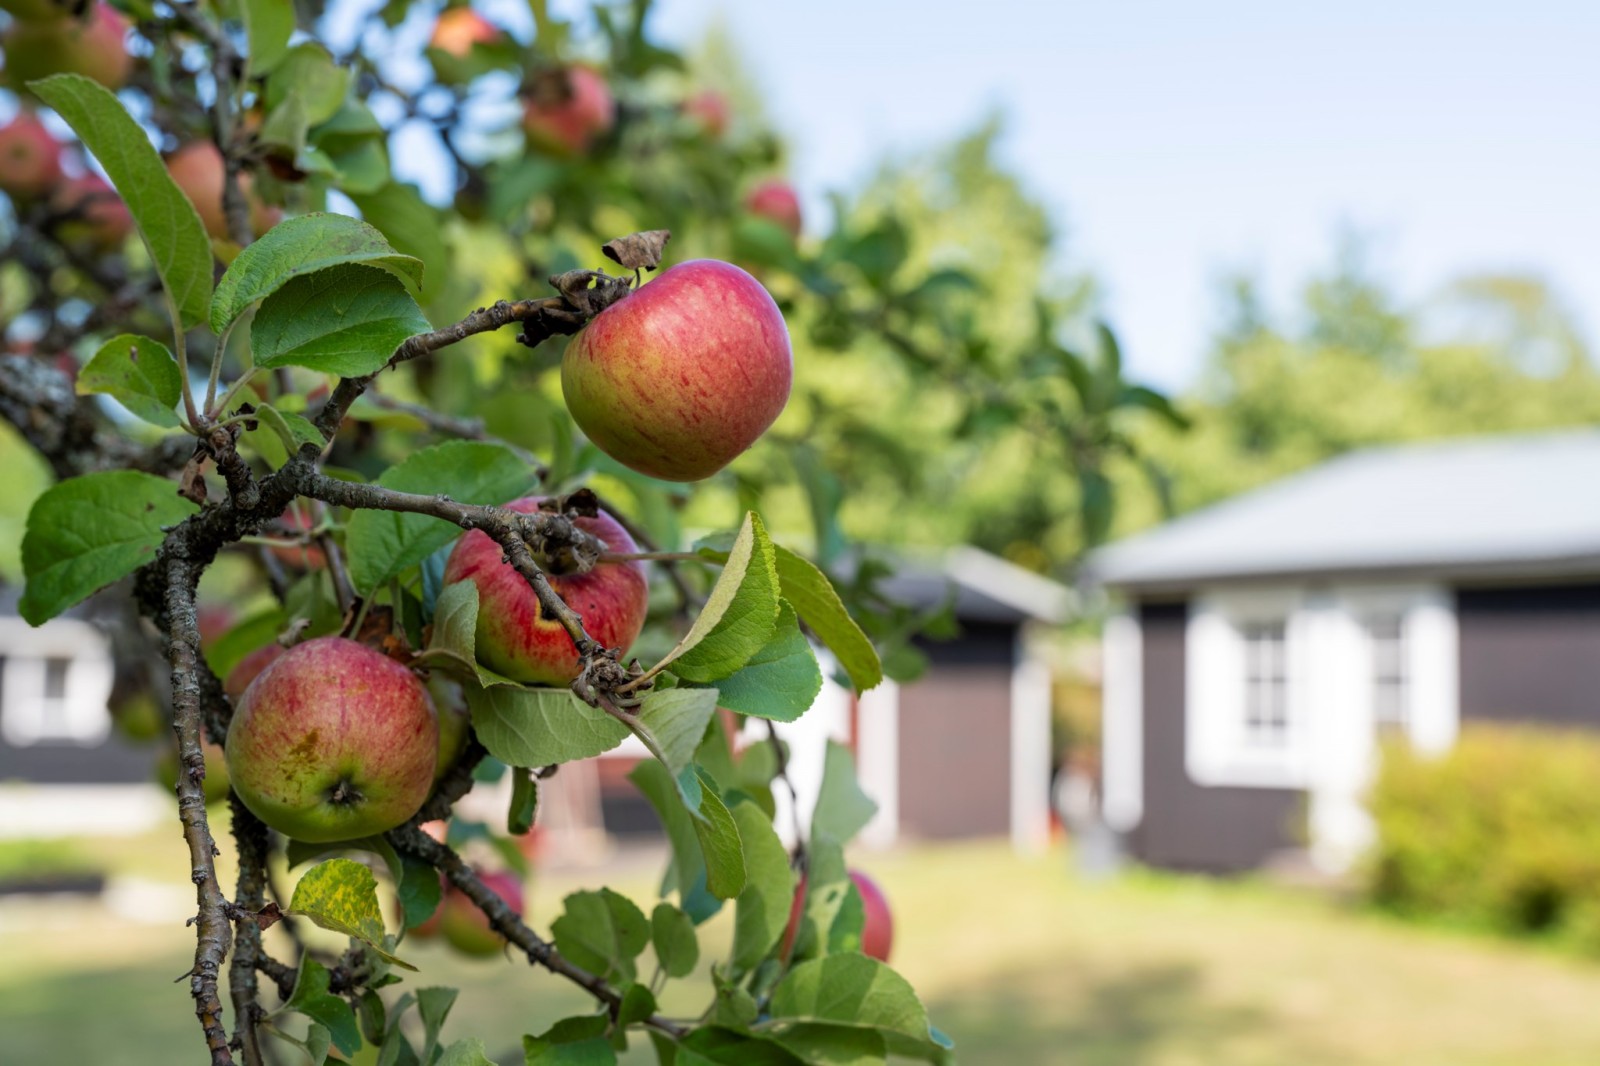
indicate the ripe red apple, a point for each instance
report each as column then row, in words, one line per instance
column 94, row 46
column 514, row 638
column 710, row 109
column 97, row 217
column 198, row 169
column 465, row 927
column 567, row 110
column 249, row 668
column 877, row 924
column 459, row 28
column 30, row 158
column 332, row 741
column 681, row 376
column 776, row 201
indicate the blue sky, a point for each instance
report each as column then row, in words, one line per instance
column 1175, row 141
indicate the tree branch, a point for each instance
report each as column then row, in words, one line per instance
column 213, row 933
column 250, row 836
column 507, row 923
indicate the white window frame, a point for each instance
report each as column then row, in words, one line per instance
column 27, row 718
column 1428, row 624
column 1218, row 751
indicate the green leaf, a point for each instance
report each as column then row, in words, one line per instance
column 419, row 891
column 781, row 681
column 341, row 895
column 733, row 1006
column 254, row 632
column 524, row 801
column 179, row 247
column 831, row 1045
column 672, row 933
column 763, row 909
column 850, row 990
column 382, row 544
column 300, row 246
column 87, row 532
column 312, row 998
column 676, row 718
column 704, row 836
column 268, row 24
column 409, row 222
column 577, row 1041
column 540, row 727
column 720, row 1046
column 138, row 373
column 467, row 1052
column 345, row 320
column 842, row 808
column 819, row 606
column 740, row 614
column 603, row 932
column 827, row 889
column 433, row 1007
column 309, row 72
column 292, row 429
column 455, row 630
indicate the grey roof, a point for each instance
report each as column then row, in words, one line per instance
column 986, row 588
column 1483, row 505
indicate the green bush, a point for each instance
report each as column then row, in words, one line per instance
column 1503, row 831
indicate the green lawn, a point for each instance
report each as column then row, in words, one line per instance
column 1018, row 960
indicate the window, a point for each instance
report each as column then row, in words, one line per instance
column 1386, row 637
column 1266, row 685
column 54, row 683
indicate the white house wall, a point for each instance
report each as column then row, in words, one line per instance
column 1030, row 752
column 1122, row 723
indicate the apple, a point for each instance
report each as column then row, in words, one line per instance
column 465, row 927
column 514, row 638
column 710, row 109
column 198, row 169
column 332, row 741
column 249, row 668
column 94, row 46
column 877, row 924
column 776, row 201
column 30, row 158
column 459, row 28
column 681, row 376
column 96, row 216
column 215, row 785
column 567, row 109
column 455, row 722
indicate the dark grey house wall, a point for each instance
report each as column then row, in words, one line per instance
column 955, row 737
column 1186, row 826
column 1530, row 654
column 115, row 762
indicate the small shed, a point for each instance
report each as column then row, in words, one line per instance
column 1266, row 645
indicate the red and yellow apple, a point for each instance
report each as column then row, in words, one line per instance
column 198, row 169
column 459, row 28
column 877, row 925
column 567, row 110
column 514, row 637
column 249, row 668
column 776, row 201
column 333, row 741
column 678, row 378
column 94, row 46
column 465, row 927
column 30, row 158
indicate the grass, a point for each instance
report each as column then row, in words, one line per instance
column 1018, row 960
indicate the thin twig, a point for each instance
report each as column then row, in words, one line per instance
column 413, row 841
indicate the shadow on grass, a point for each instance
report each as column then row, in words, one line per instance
column 1045, row 1017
